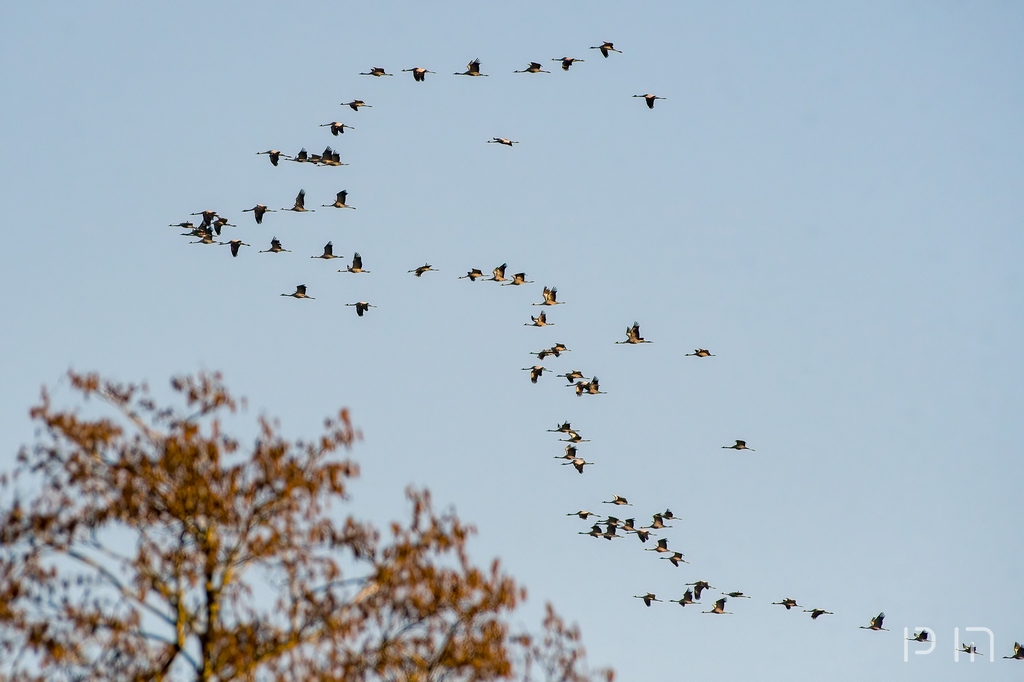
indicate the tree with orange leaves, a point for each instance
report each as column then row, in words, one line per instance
column 158, row 547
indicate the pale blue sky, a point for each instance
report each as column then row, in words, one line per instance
column 829, row 200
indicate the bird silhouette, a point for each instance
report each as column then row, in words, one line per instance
column 699, row 587
column 426, row 267
column 550, row 295
column 337, row 128
column 648, row 598
column 701, row 353
column 257, row 211
column 535, row 372
column 418, row 73
column 473, row 275
column 577, row 462
column 472, row 69
column 499, row 273
column 357, row 265
column 605, row 48
column 788, row 603
column 633, row 335
column 650, row 99
column 300, row 203
column 676, row 559
column 502, row 140
column 275, row 247
column 234, row 244
column 687, row 598
column 360, row 306
column 719, row 608
column 518, row 279
column 539, row 321
column 567, row 62
column 300, row 292
column 534, row 67
column 328, row 252
column 740, row 445
column 275, row 155
column 377, row 71
column 339, row 201
column 356, row 104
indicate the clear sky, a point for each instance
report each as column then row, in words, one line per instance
column 829, row 200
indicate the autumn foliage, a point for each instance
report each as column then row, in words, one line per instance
column 148, row 544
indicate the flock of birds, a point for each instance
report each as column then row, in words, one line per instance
column 606, row 527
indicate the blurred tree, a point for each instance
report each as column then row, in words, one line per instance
column 157, row 547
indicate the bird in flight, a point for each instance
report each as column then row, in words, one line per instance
column 337, row 128
column 648, row 598
column 649, row 98
column 534, row 67
column 567, row 62
column 426, row 267
column 740, row 445
column 577, row 462
column 701, row 353
column 377, row 71
column 328, row 252
column 361, row 307
column 539, row 321
column 274, row 155
column 605, row 48
column 676, row 559
column 418, row 73
column 472, row 69
column 719, row 608
column 275, row 247
column 788, row 603
column 300, row 292
column 822, row 612
column 536, row 372
column 919, row 635
column 687, row 598
column 356, row 104
column 473, row 275
column 518, row 279
column 257, row 211
column 502, row 140
column 300, row 203
column 633, row 335
column 499, row 273
column 618, row 501
column 550, row 297
column 699, row 587
column 234, row 244
column 339, row 201
column 357, row 265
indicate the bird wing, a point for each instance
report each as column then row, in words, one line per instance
column 357, row 262
column 342, row 196
column 300, row 199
